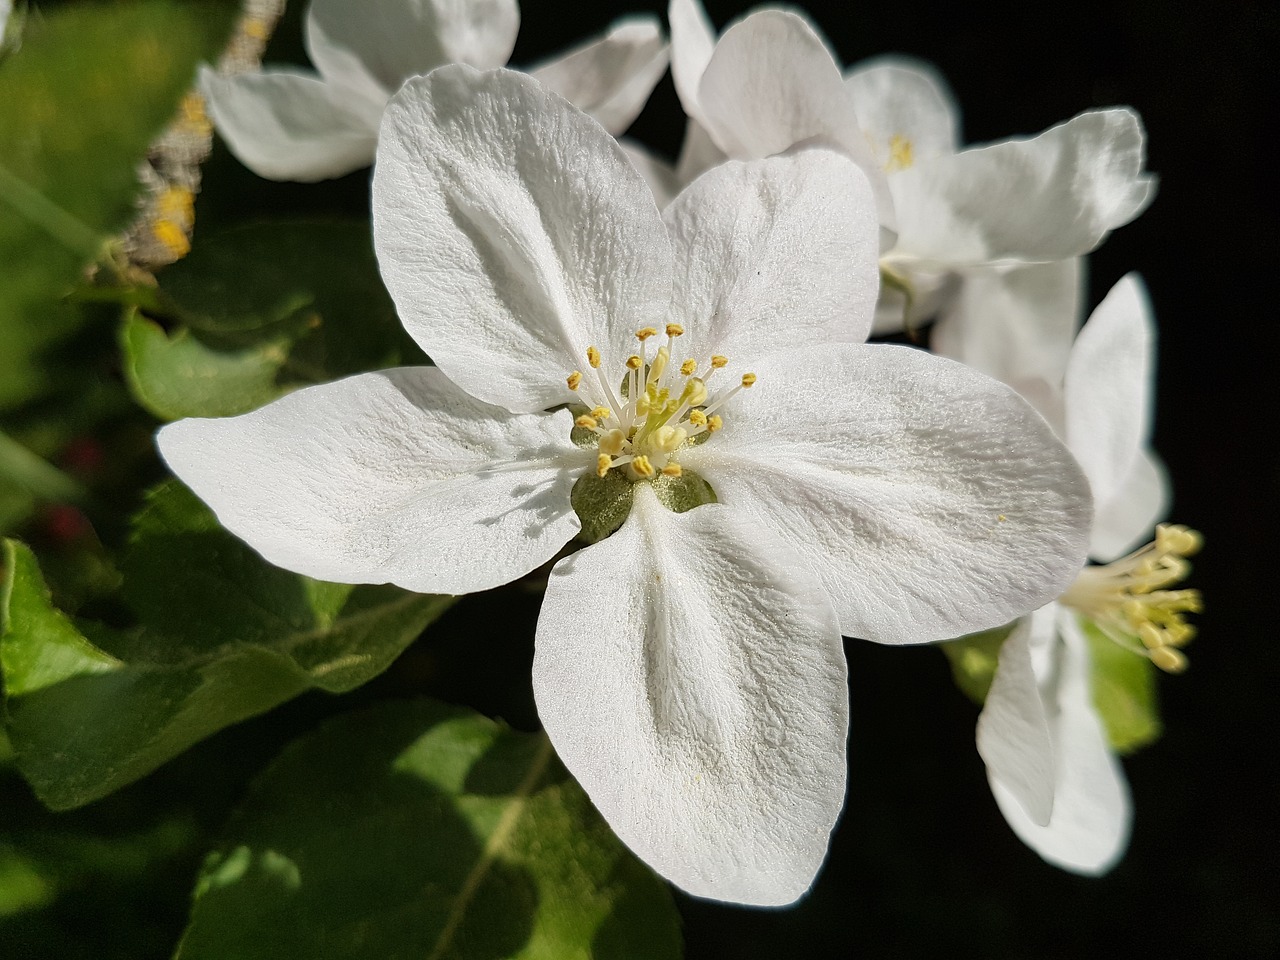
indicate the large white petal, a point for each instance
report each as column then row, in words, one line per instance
column 288, row 125
column 611, row 78
column 1016, row 324
column 773, row 253
column 693, row 38
column 657, row 173
column 1128, row 517
column 513, row 233
column 1052, row 196
column 394, row 477
column 1107, row 392
column 904, row 102
column 772, row 84
column 398, row 39
column 1089, row 829
column 930, row 500
column 1013, row 729
column 692, row 679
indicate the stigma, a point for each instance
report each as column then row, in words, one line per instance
column 1130, row 600
column 658, row 407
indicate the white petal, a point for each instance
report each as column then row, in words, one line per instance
column 513, row 233
column 1053, row 196
column 1108, row 388
column 899, row 97
column 772, row 84
column 657, row 173
column 286, row 125
column 398, row 39
column 698, row 153
column 930, row 500
column 692, row 680
column 693, row 38
column 1089, row 829
column 1127, row 519
column 611, row 78
column 394, row 477
column 772, row 253
column 1017, row 325
column 1013, row 729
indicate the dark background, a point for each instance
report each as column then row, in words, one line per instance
column 922, row 864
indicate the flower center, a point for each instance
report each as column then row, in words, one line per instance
column 658, row 409
column 1129, row 600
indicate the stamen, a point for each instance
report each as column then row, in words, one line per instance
column 719, row 361
column 672, row 470
column 634, row 362
column 642, row 466
column 593, row 357
column 748, row 379
column 603, row 463
column 574, row 380
column 644, row 333
column 586, row 421
column 612, row 442
column 659, row 365
column 714, row 423
column 601, row 413
column 697, row 418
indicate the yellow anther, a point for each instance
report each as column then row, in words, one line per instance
column 634, row 362
column 642, row 466
column 901, row 153
column 688, row 367
column 718, row 361
column 593, row 357
column 586, row 421
column 659, row 365
column 611, row 443
column 574, row 380
column 255, row 28
column 667, row 439
column 672, row 470
column 645, row 402
column 1177, row 539
column 1168, row 659
column 603, row 463
column 644, row 333
column 697, row 418
column 748, row 379
column 602, row 413
column 172, row 236
column 674, row 330
column 714, row 423
column 1150, row 635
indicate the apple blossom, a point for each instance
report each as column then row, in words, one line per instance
column 1049, row 762
column 290, row 124
column 689, row 394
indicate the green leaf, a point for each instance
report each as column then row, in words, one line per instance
column 417, row 830
column 221, row 636
column 974, row 659
column 175, row 376
column 1124, row 692
column 80, row 101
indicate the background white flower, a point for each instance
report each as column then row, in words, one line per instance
column 689, row 668
column 290, row 124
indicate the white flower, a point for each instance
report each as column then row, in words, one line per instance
column 290, row 124
column 770, row 82
column 689, row 667
column 1048, row 759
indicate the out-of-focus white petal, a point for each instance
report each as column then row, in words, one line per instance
column 610, row 78
column 692, row 679
column 1016, row 324
column 656, row 172
column 398, row 39
column 1107, row 392
column 774, row 253
column 930, row 500
column 905, row 109
column 1089, row 829
column 771, row 85
column 287, row 125
column 1013, row 730
column 1129, row 515
column 698, row 153
column 692, row 40
column 513, row 233
column 1053, row 196
column 394, row 477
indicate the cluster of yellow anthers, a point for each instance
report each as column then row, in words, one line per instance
column 657, row 410
column 1129, row 598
